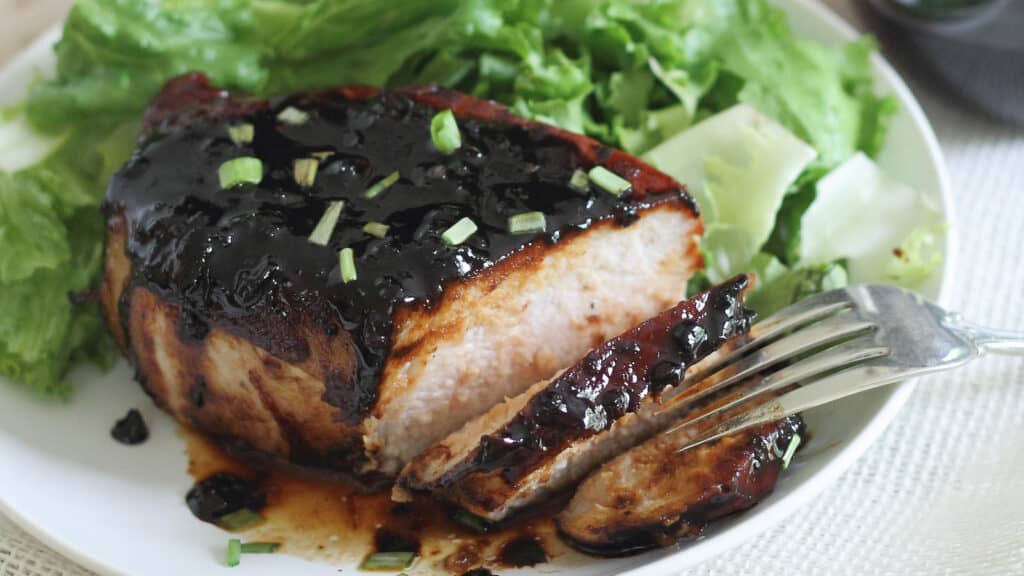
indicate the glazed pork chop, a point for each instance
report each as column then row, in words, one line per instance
column 556, row 432
column 653, row 496
column 319, row 306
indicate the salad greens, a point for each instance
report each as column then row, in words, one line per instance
column 632, row 73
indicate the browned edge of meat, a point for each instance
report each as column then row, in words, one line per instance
column 528, row 445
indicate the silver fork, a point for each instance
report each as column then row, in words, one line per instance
column 830, row 346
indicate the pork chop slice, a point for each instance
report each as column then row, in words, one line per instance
column 549, row 437
column 242, row 327
column 654, row 496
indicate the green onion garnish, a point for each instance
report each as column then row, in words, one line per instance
column 347, row 260
column 579, row 181
column 293, row 116
column 376, row 229
column 240, row 519
column 444, row 131
column 325, row 227
column 382, row 185
column 234, row 552
column 260, row 547
column 240, row 171
column 790, row 450
column 459, row 232
column 387, row 561
column 527, row 223
column 470, row 520
column 608, row 181
column 304, row 171
column 241, row 133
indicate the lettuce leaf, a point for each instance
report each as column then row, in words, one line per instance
column 843, row 223
column 739, row 165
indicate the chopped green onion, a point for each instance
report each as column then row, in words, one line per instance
column 239, row 171
column 608, row 181
column 459, row 232
column 790, row 450
column 241, row 133
column 527, row 223
column 382, row 185
column 579, row 181
column 240, row 519
column 376, row 229
column 293, row 116
column 304, row 171
column 444, row 131
column 387, row 561
column 347, row 260
column 260, row 547
column 325, row 227
column 234, row 552
column 472, row 521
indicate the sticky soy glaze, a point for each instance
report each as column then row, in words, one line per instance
column 331, row 522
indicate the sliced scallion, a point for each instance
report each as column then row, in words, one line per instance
column 260, row 547
column 325, row 227
column 241, row 133
column 790, row 451
column 293, row 116
column 382, row 185
column 304, row 171
column 459, row 232
column 444, row 131
column 240, row 519
column 527, row 223
column 347, row 261
column 376, row 229
column 387, row 561
column 470, row 520
column 245, row 169
column 608, row 181
column 234, row 555
column 579, row 181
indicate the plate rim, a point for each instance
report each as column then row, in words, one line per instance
column 33, row 55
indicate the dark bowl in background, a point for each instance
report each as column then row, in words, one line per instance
column 975, row 46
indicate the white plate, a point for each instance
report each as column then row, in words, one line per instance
column 120, row 510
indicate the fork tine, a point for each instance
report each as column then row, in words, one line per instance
column 804, row 312
column 817, row 335
column 850, row 352
column 853, row 380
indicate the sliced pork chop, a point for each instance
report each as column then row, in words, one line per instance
column 653, row 496
column 241, row 326
column 560, row 429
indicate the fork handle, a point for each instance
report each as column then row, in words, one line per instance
column 995, row 341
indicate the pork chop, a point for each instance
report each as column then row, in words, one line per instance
column 242, row 327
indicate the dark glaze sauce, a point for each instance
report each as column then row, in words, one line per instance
column 329, row 522
column 523, row 552
column 223, row 493
column 611, row 381
column 131, row 429
column 240, row 258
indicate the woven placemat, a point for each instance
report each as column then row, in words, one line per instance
column 940, row 492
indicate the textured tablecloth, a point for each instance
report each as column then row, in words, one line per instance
column 941, row 492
